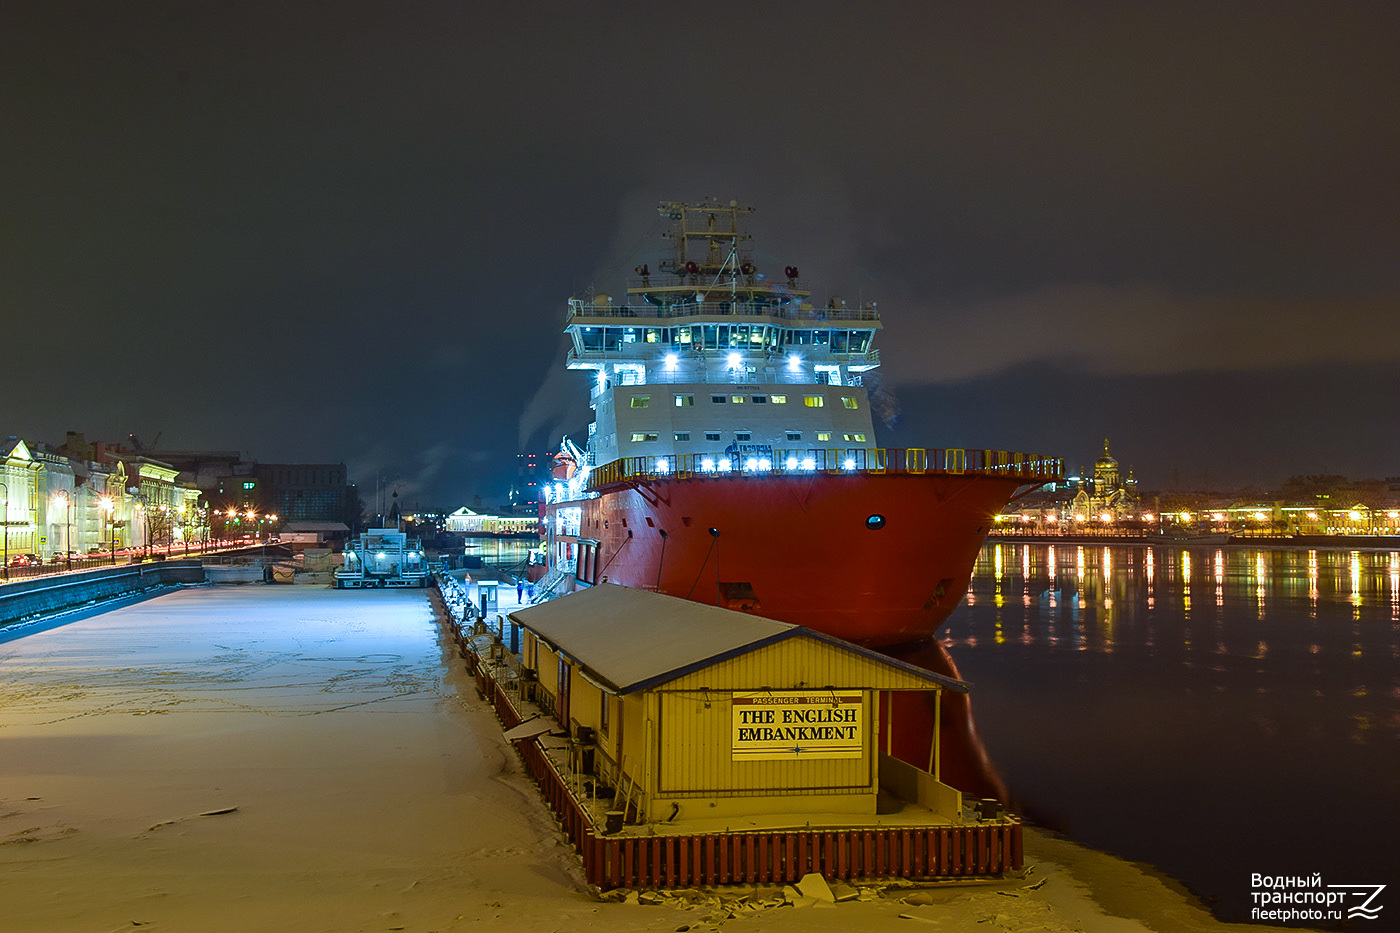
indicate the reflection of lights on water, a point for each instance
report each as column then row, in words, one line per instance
column 1312, row 583
column 1186, row 586
column 1356, row 578
column 1394, row 585
column 1259, row 583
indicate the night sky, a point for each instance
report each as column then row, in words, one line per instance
column 325, row 231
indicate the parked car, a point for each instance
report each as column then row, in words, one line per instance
column 97, row 549
column 62, row 557
column 25, row 560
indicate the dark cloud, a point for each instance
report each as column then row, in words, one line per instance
column 327, row 231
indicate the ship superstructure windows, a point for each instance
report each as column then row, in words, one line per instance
column 641, row 437
column 719, row 399
column 849, row 402
column 778, row 399
column 794, row 435
column 642, row 401
column 813, row 401
column 711, row 435
column 823, row 435
column 737, row 399
column 743, row 436
column 760, row 400
column 682, row 436
column 685, row 401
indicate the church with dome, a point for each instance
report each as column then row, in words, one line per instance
column 1108, row 491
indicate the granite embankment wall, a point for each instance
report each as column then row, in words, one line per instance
column 26, row 600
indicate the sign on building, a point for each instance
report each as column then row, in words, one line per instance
column 781, row 725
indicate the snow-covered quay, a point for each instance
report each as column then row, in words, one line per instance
column 290, row 758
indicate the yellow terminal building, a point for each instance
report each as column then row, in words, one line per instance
column 694, row 744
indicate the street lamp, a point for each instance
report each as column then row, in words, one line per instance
column 109, row 507
column 67, row 500
column 7, row 529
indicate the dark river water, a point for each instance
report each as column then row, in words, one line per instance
column 1214, row 712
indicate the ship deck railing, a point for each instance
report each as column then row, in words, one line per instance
column 1033, row 468
column 580, row 310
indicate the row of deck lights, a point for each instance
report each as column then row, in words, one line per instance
column 752, row 465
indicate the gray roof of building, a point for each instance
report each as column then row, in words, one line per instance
column 599, row 627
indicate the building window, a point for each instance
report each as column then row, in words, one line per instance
column 778, row 399
column 641, row 401
column 813, row 401
column 743, row 436
column 737, row 399
column 682, row 435
column 855, row 437
column 760, row 399
column 685, row 401
column 794, row 435
column 823, row 435
column 719, row 399
column 711, row 435
column 848, row 401
column 639, row 437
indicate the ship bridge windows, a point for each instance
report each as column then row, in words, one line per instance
column 641, row 437
column 743, row 436
column 682, row 436
column 641, row 401
column 719, row 399
column 813, row 401
column 711, row 435
column 685, row 401
column 838, row 341
column 794, row 435
column 778, row 399
column 849, row 402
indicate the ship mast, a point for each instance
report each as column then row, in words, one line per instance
column 705, row 237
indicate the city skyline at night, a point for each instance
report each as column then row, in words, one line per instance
column 348, row 231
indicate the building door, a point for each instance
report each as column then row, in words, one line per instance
column 563, row 692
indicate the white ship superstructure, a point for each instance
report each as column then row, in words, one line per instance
column 711, row 358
